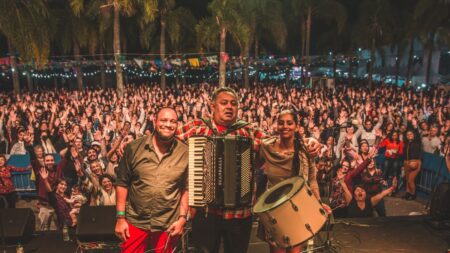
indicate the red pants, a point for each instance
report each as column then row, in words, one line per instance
column 139, row 239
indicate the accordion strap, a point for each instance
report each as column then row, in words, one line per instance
column 239, row 124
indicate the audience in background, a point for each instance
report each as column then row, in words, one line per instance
column 89, row 129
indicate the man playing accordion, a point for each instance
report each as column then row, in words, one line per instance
column 211, row 224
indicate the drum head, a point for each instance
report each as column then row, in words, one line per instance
column 278, row 194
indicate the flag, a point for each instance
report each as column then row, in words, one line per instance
column 176, row 62
column 212, row 59
column 194, row 62
column 5, row 61
column 139, row 62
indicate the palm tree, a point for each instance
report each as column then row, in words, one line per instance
column 259, row 19
column 174, row 24
column 306, row 10
column 126, row 8
column 180, row 28
column 402, row 33
column 25, row 25
column 225, row 13
column 432, row 29
column 74, row 32
column 100, row 25
column 374, row 21
column 164, row 7
column 206, row 31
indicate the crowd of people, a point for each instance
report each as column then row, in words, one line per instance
column 89, row 130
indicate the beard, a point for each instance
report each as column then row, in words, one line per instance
column 50, row 167
column 164, row 137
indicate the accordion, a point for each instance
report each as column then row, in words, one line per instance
column 220, row 171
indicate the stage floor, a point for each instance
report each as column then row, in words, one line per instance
column 382, row 234
column 388, row 234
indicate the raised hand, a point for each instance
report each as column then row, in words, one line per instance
column 43, row 173
column 98, row 136
column 373, row 152
column 78, row 169
column 314, row 147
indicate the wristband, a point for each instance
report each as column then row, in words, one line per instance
column 120, row 213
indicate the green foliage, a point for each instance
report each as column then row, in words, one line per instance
column 26, row 24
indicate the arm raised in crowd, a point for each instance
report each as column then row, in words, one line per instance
column 377, row 198
column 44, row 177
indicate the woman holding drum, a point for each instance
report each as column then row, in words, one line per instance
column 292, row 174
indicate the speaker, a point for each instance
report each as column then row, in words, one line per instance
column 17, row 224
column 96, row 224
column 440, row 202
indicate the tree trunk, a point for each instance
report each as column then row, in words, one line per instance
column 288, row 76
column 371, row 63
column 397, row 63
column 222, row 63
column 77, row 68
column 177, row 71
column 302, row 72
column 410, row 61
column 429, row 57
column 119, row 74
column 256, row 60
column 29, row 80
column 162, row 49
column 102, row 68
column 245, row 69
column 55, row 83
column 14, row 70
column 334, row 66
column 308, row 34
column 383, row 62
column 182, row 71
column 350, row 70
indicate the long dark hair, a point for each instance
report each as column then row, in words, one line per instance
column 392, row 133
column 296, row 159
column 58, row 181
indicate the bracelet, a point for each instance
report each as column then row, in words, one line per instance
column 120, row 216
column 120, row 213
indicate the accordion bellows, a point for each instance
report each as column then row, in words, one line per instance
column 220, row 171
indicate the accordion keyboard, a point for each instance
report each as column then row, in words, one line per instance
column 195, row 176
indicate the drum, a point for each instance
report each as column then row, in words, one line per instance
column 290, row 213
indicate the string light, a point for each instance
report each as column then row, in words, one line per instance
column 208, row 70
